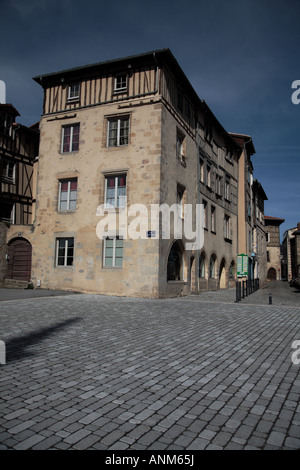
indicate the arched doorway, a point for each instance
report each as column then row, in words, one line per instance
column 19, row 259
column 222, row 275
column 175, row 263
column 272, row 274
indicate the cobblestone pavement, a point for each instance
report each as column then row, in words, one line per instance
column 192, row 373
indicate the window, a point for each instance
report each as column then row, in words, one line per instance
column 73, row 91
column 218, row 185
column 205, row 212
column 180, row 200
column 64, row 251
column 213, row 219
column 67, row 194
column 70, row 138
column 208, row 175
column 8, row 171
column 120, row 83
column 268, row 256
column 118, row 131
column 227, row 189
column 202, row 176
column 180, row 147
column 115, row 191
column 227, row 234
column 113, row 252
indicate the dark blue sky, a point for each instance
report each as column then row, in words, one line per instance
column 241, row 56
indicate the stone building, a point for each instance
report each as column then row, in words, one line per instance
column 259, row 251
column 290, row 250
column 118, row 134
column 272, row 228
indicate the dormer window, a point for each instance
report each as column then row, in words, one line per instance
column 73, row 92
column 120, row 84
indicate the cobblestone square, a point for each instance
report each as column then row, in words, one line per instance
column 199, row 372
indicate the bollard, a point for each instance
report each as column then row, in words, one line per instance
column 270, row 299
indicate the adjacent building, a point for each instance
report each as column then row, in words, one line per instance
column 129, row 141
column 290, row 251
column 18, row 150
column 272, row 227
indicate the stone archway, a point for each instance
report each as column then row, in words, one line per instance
column 19, row 259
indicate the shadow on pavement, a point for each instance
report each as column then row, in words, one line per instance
column 18, row 348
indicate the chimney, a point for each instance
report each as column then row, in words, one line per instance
column 2, row 92
column 298, row 225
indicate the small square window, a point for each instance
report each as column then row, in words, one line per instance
column 120, row 83
column 73, row 91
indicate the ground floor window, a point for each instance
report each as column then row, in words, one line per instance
column 113, row 252
column 64, row 251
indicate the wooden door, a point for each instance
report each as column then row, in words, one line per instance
column 19, row 263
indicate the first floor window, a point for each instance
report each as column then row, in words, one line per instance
column 227, row 227
column 115, row 191
column 67, row 194
column 64, row 251
column 113, row 252
column 70, row 138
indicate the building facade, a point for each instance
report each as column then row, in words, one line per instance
column 290, row 251
column 125, row 145
column 18, row 150
column 272, row 226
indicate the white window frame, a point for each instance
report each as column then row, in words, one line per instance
column 71, row 95
column 119, row 87
column 65, row 265
column 118, row 120
column 123, row 198
column 114, row 238
column 71, row 126
column 69, row 181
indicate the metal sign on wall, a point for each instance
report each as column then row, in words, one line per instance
column 242, row 265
